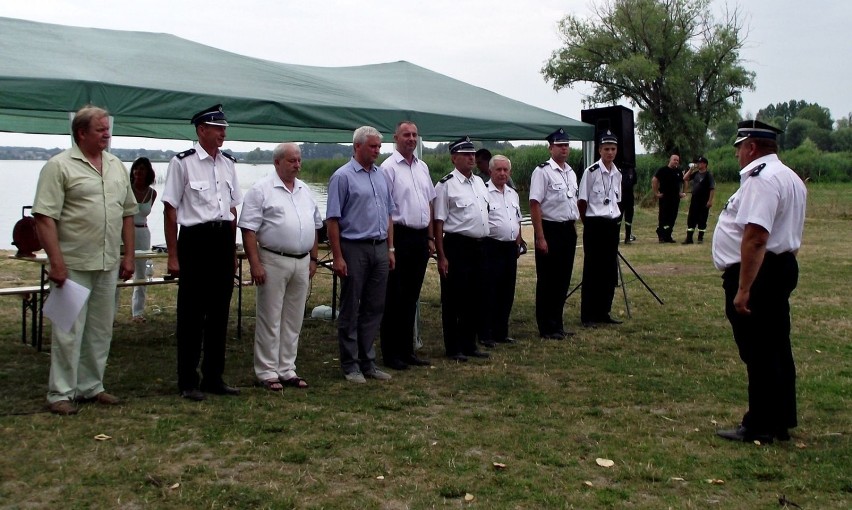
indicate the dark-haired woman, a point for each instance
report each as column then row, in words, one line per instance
column 141, row 178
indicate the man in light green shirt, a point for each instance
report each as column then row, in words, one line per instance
column 84, row 209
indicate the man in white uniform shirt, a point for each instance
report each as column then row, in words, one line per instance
column 461, row 224
column 412, row 191
column 279, row 221
column 201, row 195
column 501, row 252
column 553, row 210
column 755, row 243
column 600, row 192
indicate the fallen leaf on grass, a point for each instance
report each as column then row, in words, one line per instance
column 818, row 351
column 715, row 481
column 604, row 462
column 677, row 479
column 380, row 477
column 499, row 465
column 102, row 437
column 175, row 486
column 469, row 497
column 587, row 483
column 801, row 445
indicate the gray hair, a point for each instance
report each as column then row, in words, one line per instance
column 83, row 119
column 499, row 157
column 362, row 133
column 281, row 149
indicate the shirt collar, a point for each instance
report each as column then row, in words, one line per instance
column 399, row 158
column 763, row 159
column 358, row 168
column 278, row 183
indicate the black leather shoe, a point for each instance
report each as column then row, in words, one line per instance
column 477, row 354
column 195, row 395
column 590, row 324
column 220, row 389
column 396, row 364
column 417, row 362
column 743, row 434
column 457, row 357
column 782, row 435
column 556, row 335
column 566, row 334
column 507, row 340
column 610, row 320
column 489, row 344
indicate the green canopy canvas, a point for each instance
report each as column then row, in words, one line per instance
column 152, row 84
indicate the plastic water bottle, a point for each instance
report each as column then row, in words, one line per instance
column 149, row 270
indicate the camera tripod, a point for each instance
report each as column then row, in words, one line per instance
column 623, row 284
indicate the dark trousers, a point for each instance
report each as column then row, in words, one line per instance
column 403, row 293
column 627, row 209
column 553, row 274
column 362, row 302
column 600, row 268
column 667, row 216
column 698, row 213
column 206, row 259
column 501, row 270
column 462, row 293
column 763, row 339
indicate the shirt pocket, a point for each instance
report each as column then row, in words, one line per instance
column 466, row 206
column 199, row 192
column 559, row 189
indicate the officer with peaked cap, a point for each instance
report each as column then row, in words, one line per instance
column 201, row 195
column 600, row 192
column 553, row 209
column 460, row 225
column 755, row 243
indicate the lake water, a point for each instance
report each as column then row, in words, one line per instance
column 19, row 180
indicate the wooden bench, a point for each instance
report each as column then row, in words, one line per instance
column 29, row 301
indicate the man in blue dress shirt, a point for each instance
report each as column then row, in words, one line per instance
column 360, row 231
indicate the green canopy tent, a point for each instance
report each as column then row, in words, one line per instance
column 152, row 83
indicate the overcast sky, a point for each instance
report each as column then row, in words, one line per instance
column 799, row 50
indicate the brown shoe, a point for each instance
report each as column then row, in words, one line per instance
column 62, row 408
column 106, row 399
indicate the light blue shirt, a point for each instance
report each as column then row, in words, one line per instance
column 360, row 200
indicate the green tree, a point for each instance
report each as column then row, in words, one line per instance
column 841, row 139
column 819, row 114
column 670, row 58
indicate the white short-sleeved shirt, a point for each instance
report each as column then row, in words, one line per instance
column 601, row 189
column 462, row 204
column 770, row 195
column 504, row 213
column 555, row 189
column 283, row 220
column 202, row 188
column 411, row 188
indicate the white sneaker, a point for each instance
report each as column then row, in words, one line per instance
column 378, row 375
column 355, row 377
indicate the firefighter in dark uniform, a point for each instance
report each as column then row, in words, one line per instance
column 667, row 186
column 600, row 190
column 628, row 200
column 703, row 191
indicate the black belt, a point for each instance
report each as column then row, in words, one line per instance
column 366, row 241
column 462, row 237
column 144, row 225
column 212, row 225
column 569, row 222
column 284, row 254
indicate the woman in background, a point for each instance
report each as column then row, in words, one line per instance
column 141, row 178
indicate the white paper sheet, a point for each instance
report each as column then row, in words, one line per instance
column 64, row 303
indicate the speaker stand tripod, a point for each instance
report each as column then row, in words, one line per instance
column 623, row 284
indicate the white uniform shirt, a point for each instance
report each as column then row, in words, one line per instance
column 556, row 190
column 411, row 188
column 202, row 188
column 284, row 221
column 601, row 189
column 504, row 213
column 462, row 204
column 774, row 198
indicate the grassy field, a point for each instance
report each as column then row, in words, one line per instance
column 647, row 394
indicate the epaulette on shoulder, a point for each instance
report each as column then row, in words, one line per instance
column 230, row 156
column 543, row 165
column 757, row 170
column 446, row 177
column 592, row 168
column 184, row 154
